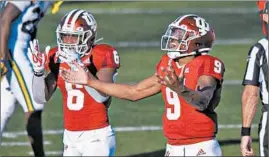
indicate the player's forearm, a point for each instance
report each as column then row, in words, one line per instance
column 122, row 91
column 95, row 78
column 50, row 85
column 91, row 76
column 39, row 89
column 43, row 88
column 249, row 105
column 200, row 99
column 4, row 35
column 8, row 15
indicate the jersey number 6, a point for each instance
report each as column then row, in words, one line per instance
column 75, row 98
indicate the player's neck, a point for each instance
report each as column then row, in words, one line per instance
column 185, row 60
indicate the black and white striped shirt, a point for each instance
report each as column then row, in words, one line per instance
column 257, row 68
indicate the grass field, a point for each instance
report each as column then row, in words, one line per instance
column 139, row 63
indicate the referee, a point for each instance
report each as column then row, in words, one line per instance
column 256, row 83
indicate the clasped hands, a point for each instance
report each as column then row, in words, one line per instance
column 169, row 78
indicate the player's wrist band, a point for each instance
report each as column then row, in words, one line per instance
column 245, row 131
column 39, row 74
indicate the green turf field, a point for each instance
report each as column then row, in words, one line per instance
column 139, row 63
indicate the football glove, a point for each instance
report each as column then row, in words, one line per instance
column 37, row 58
column 69, row 56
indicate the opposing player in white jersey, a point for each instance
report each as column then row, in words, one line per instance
column 19, row 21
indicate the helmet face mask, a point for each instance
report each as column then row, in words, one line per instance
column 76, row 32
column 74, row 41
column 188, row 35
column 177, row 38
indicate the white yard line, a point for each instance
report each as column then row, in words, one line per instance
column 96, row 11
column 15, row 134
column 11, row 144
column 49, row 153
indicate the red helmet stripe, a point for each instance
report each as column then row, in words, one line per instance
column 70, row 16
column 75, row 16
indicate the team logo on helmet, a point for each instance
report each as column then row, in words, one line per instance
column 188, row 35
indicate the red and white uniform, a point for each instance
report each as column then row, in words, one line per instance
column 85, row 110
column 183, row 124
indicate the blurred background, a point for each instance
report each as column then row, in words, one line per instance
column 135, row 29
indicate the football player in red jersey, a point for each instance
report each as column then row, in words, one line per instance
column 87, row 129
column 190, row 81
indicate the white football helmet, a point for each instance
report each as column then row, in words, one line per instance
column 76, row 32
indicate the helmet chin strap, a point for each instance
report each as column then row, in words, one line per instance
column 90, row 48
column 177, row 54
column 88, row 51
column 97, row 40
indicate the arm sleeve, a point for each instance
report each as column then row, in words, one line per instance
column 21, row 5
column 39, row 88
column 252, row 71
column 97, row 96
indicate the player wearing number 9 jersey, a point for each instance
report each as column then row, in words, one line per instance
column 87, row 129
column 182, row 122
column 189, row 119
column 18, row 25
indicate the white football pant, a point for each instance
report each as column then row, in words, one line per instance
column 206, row 148
column 99, row 142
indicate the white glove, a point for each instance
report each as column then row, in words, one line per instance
column 69, row 57
column 37, row 58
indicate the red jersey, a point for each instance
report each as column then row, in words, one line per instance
column 82, row 107
column 183, row 123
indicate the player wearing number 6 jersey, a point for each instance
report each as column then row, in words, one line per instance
column 190, row 81
column 87, row 129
